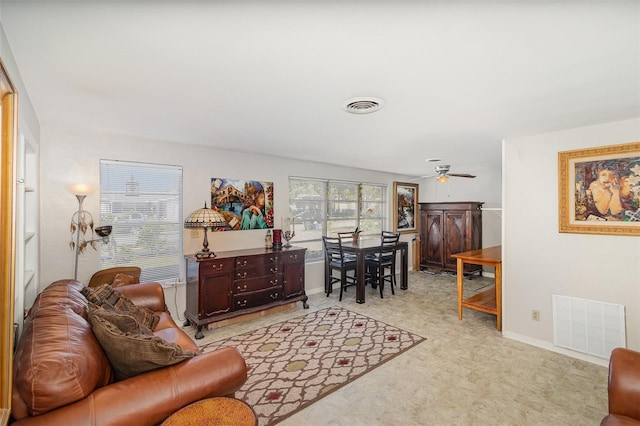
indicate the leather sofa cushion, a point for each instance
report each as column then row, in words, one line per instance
column 58, row 359
column 106, row 295
column 131, row 354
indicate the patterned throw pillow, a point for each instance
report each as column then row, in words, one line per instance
column 124, row 279
column 120, row 303
column 131, row 354
column 126, row 323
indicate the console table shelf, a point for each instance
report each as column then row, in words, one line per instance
column 489, row 301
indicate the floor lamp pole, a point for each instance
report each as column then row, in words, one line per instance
column 80, row 222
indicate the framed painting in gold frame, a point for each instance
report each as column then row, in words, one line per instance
column 599, row 190
column 405, row 202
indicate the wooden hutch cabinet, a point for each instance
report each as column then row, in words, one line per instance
column 241, row 282
column 446, row 229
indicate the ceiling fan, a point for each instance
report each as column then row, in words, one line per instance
column 443, row 174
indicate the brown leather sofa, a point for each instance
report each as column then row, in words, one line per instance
column 63, row 377
column 623, row 388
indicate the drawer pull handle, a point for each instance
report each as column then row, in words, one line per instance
column 273, row 259
column 274, row 296
column 243, row 288
column 274, row 270
column 243, row 303
column 293, row 256
column 243, row 263
column 218, row 267
column 273, row 282
column 242, row 275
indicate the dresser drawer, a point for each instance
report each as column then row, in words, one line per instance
column 255, row 284
column 215, row 267
column 247, row 267
column 253, row 261
column 257, row 298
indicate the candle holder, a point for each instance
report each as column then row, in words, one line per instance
column 288, row 235
column 277, row 239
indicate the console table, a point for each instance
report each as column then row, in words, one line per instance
column 241, row 282
column 490, row 300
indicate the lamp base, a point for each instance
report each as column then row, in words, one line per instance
column 205, row 254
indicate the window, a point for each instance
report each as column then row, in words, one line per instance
column 325, row 207
column 143, row 203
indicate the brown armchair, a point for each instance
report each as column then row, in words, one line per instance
column 624, row 388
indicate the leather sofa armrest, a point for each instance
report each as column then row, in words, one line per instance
column 150, row 398
column 148, row 295
column 624, row 383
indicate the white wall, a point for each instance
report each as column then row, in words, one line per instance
column 72, row 155
column 539, row 261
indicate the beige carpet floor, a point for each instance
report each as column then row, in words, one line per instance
column 465, row 373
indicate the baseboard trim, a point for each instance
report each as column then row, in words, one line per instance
column 553, row 348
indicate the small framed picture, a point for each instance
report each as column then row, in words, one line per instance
column 599, row 190
column 405, row 201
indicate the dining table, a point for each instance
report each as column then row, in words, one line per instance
column 363, row 247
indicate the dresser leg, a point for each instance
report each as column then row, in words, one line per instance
column 199, row 333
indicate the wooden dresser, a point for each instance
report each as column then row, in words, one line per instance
column 447, row 229
column 240, row 282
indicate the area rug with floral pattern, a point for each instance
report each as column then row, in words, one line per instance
column 296, row 362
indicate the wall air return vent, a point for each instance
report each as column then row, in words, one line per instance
column 362, row 105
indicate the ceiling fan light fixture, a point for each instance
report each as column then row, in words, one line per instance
column 442, row 178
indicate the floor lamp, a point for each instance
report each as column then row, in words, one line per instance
column 81, row 222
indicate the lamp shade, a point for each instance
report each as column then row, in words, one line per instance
column 80, row 189
column 205, row 218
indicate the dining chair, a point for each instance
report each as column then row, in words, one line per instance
column 335, row 260
column 382, row 265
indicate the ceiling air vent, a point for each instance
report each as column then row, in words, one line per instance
column 362, row 105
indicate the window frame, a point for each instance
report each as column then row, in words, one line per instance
column 334, row 214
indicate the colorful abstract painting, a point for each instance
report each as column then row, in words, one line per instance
column 245, row 204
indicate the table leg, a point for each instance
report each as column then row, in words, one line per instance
column 460, row 286
column 360, row 276
column 404, row 268
column 498, row 272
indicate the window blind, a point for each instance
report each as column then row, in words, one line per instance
column 143, row 203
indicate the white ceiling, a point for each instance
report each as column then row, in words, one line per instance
column 270, row 76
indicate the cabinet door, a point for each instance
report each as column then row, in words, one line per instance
column 455, row 241
column 293, row 279
column 293, row 274
column 216, row 295
column 431, row 236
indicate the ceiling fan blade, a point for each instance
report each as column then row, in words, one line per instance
column 422, row 177
column 464, row 175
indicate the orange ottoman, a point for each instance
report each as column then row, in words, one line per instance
column 214, row 411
